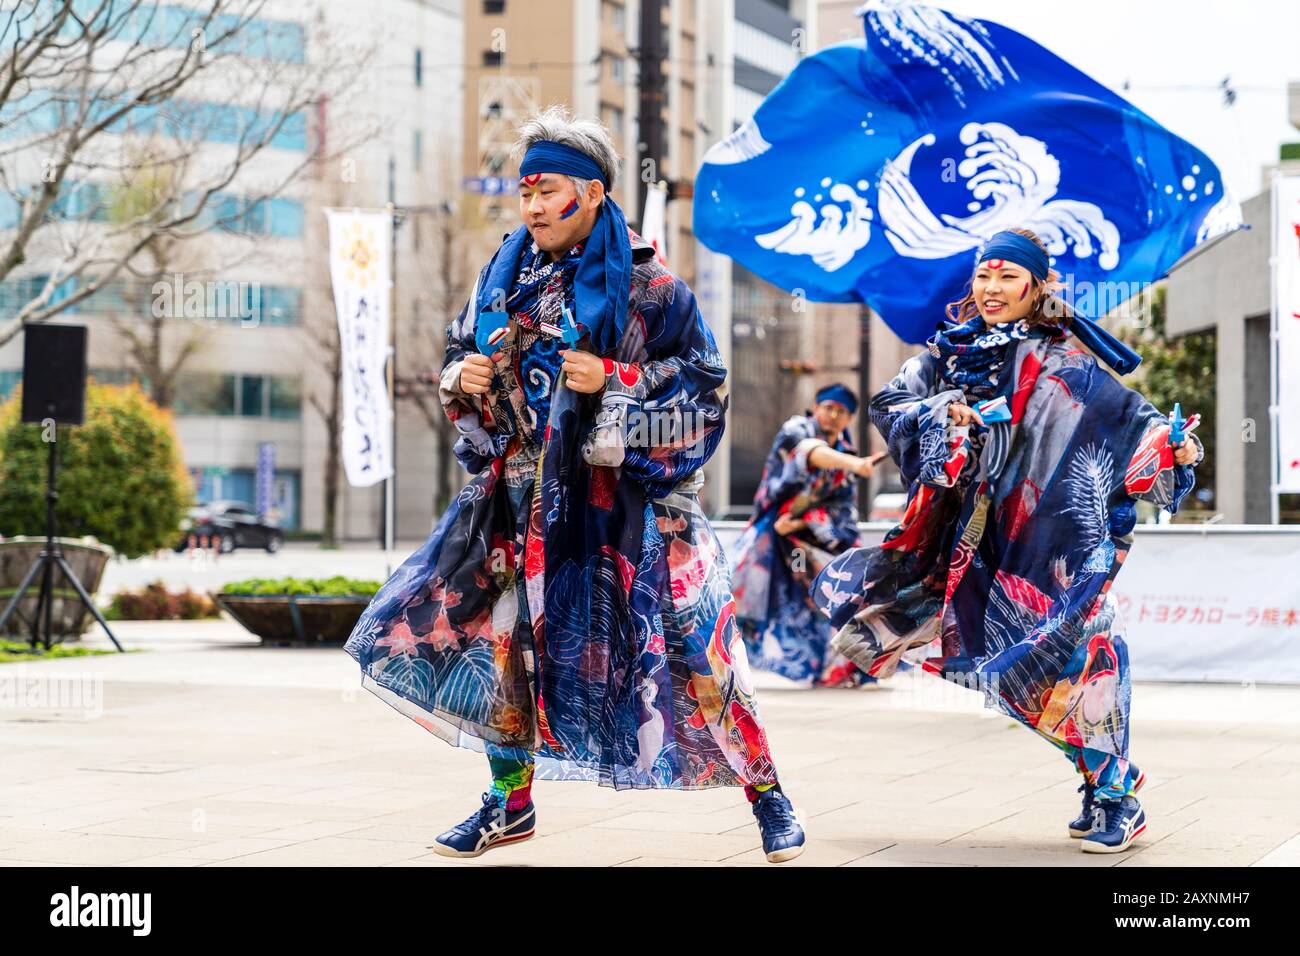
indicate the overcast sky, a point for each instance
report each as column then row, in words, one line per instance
column 1175, row 54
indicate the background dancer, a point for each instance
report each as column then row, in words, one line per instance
column 804, row 515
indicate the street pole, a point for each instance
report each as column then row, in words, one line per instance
column 865, row 495
column 390, row 483
column 650, row 85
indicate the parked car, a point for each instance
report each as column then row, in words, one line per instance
column 232, row 524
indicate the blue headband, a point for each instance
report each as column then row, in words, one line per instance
column 1016, row 248
column 1023, row 251
column 548, row 156
column 603, row 280
column 838, row 393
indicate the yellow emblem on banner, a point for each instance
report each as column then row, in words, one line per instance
column 358, row 250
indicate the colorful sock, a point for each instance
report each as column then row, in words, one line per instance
column 1111, row 776
column 512, row 776
column 753, row 790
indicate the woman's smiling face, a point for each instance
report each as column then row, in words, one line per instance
column 1003, row 291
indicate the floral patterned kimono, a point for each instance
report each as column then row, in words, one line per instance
column 1011, row 538
column 772, row 574
column 573, row 602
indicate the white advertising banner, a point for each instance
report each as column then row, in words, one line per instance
column 1218, row 605
column 1286, row 251
column 359, row 271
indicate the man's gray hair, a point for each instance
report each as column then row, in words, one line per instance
column 558, row 124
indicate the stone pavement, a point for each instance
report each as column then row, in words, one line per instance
column 207, row 749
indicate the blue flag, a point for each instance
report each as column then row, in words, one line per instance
column 877, row 169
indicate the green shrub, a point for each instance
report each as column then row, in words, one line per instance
column 337, row 586
column 121, row 476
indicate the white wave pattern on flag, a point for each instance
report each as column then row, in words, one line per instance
column 1012, row 179
column 1224, row 217
column 831, row 237
column 744, row 144
column 954, row 45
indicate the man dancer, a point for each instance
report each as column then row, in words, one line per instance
column 571, row 612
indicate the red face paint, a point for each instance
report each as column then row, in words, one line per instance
column 570, row 209
column 996, row 263
column 531, row 180
column 1024, row 292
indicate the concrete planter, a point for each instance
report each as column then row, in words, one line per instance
column 87, row 558
column 306, row 619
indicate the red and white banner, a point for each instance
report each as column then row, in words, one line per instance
column 1286, row 250
column 1220, row 606
column 654, row 222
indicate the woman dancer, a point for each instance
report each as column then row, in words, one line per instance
column 1024, row 459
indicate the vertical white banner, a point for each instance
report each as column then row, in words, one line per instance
column 654, row 221
column 359, row 271
column 1286, row 252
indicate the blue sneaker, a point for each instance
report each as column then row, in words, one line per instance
column 1081, row 825
column 492, row 825
column 782, row 835
column 1118, row 824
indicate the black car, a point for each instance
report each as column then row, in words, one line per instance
column 233, row 524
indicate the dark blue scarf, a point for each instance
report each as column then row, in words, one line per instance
column 971, row 355
column 601, row 278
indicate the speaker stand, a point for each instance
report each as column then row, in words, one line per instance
column 46, row 564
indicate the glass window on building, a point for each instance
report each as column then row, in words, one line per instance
column 252, row 396
column 205, row 393
column 253, row 216
column 116, row 376
column 493, row 58
column 417, row 149
column 285, row 218
column 419, row 67
column 274, row 304
column 494, row 8
column 285, row 397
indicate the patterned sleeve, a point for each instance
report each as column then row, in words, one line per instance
column 911, row 413
column 1152, row 474
column 661, row 418
column 477, row 443
column 785, row 473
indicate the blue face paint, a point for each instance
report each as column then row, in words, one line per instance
column 570, row 209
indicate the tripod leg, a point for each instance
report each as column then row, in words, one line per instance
column 12, row 606
column 45, row 608
column 85, row 599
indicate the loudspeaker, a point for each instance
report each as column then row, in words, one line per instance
column 54, row 373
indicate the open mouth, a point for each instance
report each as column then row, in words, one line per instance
column 993, row 305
